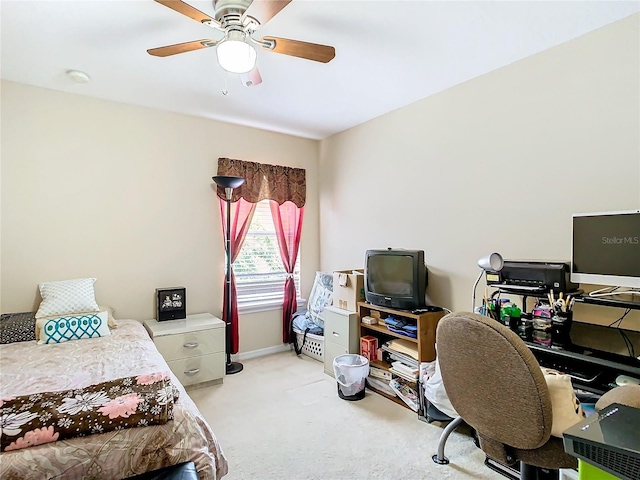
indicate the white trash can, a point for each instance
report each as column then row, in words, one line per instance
column 351, row 372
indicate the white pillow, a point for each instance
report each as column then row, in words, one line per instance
column 67, row 296
column 73, row 327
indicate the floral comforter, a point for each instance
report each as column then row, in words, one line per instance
column 128, row 402
column 83, row 368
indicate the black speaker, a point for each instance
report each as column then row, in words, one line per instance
column 171, row 303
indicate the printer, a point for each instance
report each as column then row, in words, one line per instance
column 532, row 276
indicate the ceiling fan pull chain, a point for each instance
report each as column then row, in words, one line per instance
column 225, row 92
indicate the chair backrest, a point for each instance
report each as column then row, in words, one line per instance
column 493, row 380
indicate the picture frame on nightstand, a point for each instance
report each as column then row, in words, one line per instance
column 171, row 303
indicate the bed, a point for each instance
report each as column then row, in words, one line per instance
column 28, row 368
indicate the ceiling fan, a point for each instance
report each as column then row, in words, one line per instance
column 239, row 20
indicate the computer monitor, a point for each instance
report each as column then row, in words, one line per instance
column 605, row 249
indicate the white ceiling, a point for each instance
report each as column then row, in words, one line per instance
column 388, row 54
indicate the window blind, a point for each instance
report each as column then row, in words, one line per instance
column 259, row 272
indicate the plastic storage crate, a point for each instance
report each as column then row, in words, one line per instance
column 313, row 345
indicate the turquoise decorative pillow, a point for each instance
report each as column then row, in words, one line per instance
column 74, row 327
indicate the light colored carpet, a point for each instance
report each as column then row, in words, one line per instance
column 281, row 418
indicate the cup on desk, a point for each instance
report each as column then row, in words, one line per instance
column 560, row 327
column 524, row 329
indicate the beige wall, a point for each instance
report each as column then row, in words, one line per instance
column 498, row 163
column 124, row 194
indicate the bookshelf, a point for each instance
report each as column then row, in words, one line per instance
column 426, row 322
column 425, row 341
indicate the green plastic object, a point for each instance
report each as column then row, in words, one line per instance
column 586, row 471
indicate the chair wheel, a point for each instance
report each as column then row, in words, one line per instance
column 440, row 461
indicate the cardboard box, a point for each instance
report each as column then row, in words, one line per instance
column 348, row 289
column 369, row 347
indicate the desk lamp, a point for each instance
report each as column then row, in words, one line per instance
column 492, row 262
column 229, row 183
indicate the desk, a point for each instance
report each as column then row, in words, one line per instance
column 592, row 370
column 609, row 440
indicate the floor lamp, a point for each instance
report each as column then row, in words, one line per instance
column 229, row 183
column 492, row 262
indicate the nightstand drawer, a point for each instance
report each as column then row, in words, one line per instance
column 336, row 328
column 199, row 369
column 190, row 344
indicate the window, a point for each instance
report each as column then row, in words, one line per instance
column 259, row 272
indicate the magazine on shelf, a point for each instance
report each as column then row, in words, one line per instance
column 397, row 356
column 381, row 385
column 406, row 390
column 379, row 373
column 406, row 368
column 403, row 375
column 405, row 347
column 398, row 373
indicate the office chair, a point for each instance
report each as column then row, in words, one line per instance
column 495, row 383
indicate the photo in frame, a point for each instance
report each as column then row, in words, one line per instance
column 171, row 303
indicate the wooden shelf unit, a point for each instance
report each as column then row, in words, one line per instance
column 426, row 335
column 426, row 323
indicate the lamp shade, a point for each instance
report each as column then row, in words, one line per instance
column 492, row 261
column 236, row 55
column 225, row 181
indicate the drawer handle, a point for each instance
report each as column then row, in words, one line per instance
column 336, row 334
column 190, row 345
column 193, row 371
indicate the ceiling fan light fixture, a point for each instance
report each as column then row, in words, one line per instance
column 235, row 55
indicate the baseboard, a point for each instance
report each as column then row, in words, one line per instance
column 238, row 357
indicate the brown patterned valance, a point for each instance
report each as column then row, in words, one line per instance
column 273, row 182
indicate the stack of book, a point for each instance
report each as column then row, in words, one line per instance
column 402, row 351
column 399, row 375
column 402, row 370
column 379, row 379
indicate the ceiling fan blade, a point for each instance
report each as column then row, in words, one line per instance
column 186, row 9
column 296, row 48
column 181, row 47
column 252, row 78
column 265, row 10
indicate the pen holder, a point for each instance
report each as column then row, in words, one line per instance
column 560, row 327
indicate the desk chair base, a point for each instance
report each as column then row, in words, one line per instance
column 512, row 473
column 440, row 458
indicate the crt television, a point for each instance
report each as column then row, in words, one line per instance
column 605, row 248
column 395, row 278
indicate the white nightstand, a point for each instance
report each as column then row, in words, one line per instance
column 194, row 347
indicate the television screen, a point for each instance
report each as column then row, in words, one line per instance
column 606, row 249
column 395, row 278
column 391, row 275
